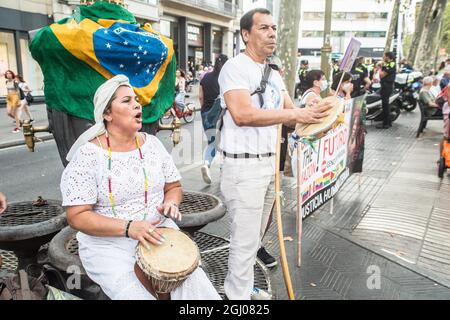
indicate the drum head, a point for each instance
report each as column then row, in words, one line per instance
column 178, row 255
column 313, row 129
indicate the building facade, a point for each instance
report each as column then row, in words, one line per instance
column 200, row 29
column 366, row 20
column 17, row 18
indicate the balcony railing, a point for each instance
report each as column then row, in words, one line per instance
column 216, row 6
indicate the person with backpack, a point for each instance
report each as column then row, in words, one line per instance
column 13, row 98
column 255, row 102
column 315, row 84
column 26, row 100
column 208, row 95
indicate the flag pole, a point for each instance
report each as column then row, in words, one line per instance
column 284, row 263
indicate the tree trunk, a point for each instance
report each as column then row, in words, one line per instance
column 393, row 25
column 288, row 41
column 424, row 12
column 426, row 55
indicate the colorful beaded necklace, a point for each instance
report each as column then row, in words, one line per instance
column 111, row 197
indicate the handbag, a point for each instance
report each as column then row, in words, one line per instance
column 21, row 286
column 33, row 283
column 212, row 115
column 29, row 97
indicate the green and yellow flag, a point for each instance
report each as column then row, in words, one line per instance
column 97, row 42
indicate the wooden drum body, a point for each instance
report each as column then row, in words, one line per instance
column 168, row 265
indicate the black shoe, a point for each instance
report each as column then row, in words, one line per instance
column 382, row 126
column 266, row 258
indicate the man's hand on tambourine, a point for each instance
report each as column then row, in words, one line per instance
column 313, row 113
column 146, row 231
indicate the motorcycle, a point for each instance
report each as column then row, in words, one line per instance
column 375, row 109
column 409, row 85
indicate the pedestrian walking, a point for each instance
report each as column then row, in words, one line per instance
column 12, row 98
column 209, row 96
column 25, row 102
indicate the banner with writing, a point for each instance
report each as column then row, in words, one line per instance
column 326, row 163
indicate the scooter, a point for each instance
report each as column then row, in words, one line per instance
column 409, row 85
column 375, row 109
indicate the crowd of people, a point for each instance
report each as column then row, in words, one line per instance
column 121, row 185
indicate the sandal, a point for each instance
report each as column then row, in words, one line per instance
column 39, row 202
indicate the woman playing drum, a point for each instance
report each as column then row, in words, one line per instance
column 117, row 188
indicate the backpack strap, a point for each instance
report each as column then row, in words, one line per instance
column 24, row 285
column 259, row 91
column 305, row 94
column 262, row 86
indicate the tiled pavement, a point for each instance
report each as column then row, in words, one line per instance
column 343, row 252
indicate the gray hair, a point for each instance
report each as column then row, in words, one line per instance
column 428, row 80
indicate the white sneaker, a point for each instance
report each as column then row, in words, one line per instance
column 206, row 174
column 259, row 294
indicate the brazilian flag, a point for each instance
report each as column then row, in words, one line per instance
column 97, row 42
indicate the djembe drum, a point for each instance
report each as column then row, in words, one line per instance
column 317, row 130
column 166, row 266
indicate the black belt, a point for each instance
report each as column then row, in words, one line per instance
column 246, row 155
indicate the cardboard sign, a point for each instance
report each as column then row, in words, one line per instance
column 350, row 55
column 326, row 163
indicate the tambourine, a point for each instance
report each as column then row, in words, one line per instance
column 317, row 130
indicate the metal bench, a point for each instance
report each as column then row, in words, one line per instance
column 424, row 118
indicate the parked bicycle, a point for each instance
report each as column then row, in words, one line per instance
column 188, row 113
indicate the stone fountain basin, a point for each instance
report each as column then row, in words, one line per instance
column 24, row 223
column 199, row 208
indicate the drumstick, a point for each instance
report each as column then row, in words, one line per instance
column 284, row 264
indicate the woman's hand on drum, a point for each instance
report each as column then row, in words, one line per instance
column 313, row 113
column 146, row 231
column 170, row 209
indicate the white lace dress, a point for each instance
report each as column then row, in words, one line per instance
column 109, row 261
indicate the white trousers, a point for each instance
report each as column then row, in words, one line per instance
column 247, row 186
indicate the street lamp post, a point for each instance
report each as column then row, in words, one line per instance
column 326, row 49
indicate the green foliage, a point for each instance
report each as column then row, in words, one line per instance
column 445, row 39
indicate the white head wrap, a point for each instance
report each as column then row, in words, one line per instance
column 102, row 96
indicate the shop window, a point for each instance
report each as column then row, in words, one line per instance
column 7, row 58
column 32, row 73
column 217, row 42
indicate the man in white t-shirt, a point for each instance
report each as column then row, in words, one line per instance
column 248, row 143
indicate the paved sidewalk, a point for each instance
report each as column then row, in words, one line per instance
column 393, row 220
column 7, row 124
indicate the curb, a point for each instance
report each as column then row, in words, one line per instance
column 15, row 143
